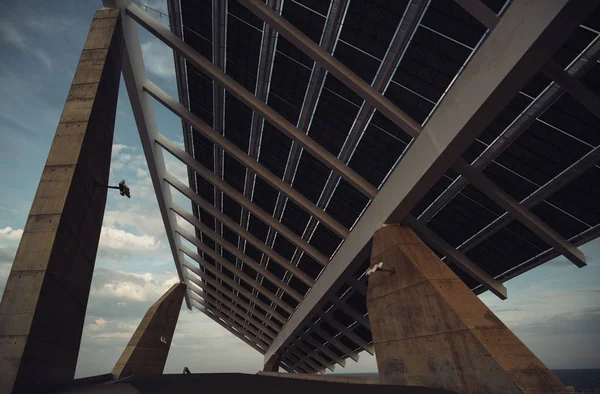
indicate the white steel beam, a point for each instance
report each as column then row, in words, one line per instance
column 248, row 98
column 234, row 285
column 242, row 157
column 238, row 272
column 242, row 257
column 462, row 261
column 331, row 64
column 516, row 49
column 233, row 226
column 226, row 326
column 527, row 218
column 235, row 195
column 134, row 75
column 214, row 283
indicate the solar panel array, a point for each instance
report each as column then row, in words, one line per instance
column 542, row 149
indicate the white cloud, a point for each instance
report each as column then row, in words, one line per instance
column 10, row 234
column 158, row 59
column 118, row 148
column 119, row 239
column 9, row 33
column 129, row 286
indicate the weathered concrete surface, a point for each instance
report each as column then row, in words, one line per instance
column 147, row 351
column 322, row 378
column 430, row 330
column 273, row 364
column 45, row 299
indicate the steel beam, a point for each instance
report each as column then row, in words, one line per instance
column 489, row 81
column 134, row 75
column 462, row 261
column 236, row 228
column 322, row 348
column 248, row 306
column 232, row 307
column 480, row 11
column 579, row 67
column 347, row 309
column 347, row 332
column 236, row 196
column 241, row 156
column 296, row 352
column 333, row 341
column 163, row 34
column 331, row 64
column 242, row 257
column 513, row 207
column 571, row 173
column 313, row 353
column 226, row 263
column 196, row 257
column 229, row 328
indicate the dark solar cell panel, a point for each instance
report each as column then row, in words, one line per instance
column 252, row 251
column 289, row 81
column 564, row 224
column 430, row 63
column 201, row 44
column 346, row 204
column 333, row 85
column 298, row 285
column 304, row 19
column 592, row 79
column 514, row 185
column 341, row 317
column 536, row 85
column 274, row 149
column 233, row 172
column 288, row 49
column 325, row 240
column 241, row 12
column 231, row 208
column 495, row 5
column 332, row 120
column 310, row 266
column 284, row 108
column 593, row 20
column 580, row 197
column 473, row 152
column 358, row 62
column 295, row 218
column 229, row 235
column 201, row 95
column 370, row 25
column 450, row 19
column 284, row 247
column 376, row 153
column 569, row 115
column 243, row 51
column 264, row 195
column 258, row 228
column 310, row 177
column 276, row 269
column 576, row 44
column 320, row 6
column 437, row 189
column 527, row 236
column 197, row 15
column 238, row 118
column 415, row 106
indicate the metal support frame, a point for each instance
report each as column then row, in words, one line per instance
column 334, row 341
column 347, row 332
column 322, row 348
column 527, row 218
column 454, row 125
column 330, row 366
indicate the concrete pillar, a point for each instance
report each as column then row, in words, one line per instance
column 430, row 330
column 43, row 307
column 273, row 364
column 147, row 351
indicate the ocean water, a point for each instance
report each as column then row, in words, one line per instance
column 583, row 380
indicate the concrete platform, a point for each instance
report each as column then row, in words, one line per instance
column 234, row 383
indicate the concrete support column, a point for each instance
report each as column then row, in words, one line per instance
column 147, row 351
column 430, row 330
column 273, row 364
column 45, row 299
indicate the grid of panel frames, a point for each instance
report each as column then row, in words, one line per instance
column 440, row 46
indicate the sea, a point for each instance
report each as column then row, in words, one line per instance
column 583, row 380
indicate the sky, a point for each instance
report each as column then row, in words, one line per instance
column 554, row 309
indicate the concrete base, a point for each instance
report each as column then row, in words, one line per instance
column 147, row 351
column 44, row 303
column 430, row 330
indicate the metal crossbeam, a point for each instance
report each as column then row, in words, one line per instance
column 231, row 294
column 242, row 157
column 322, row 348
column 196, row 257
column 462, row 261
column 237, row 270
column 575, row 87
column 489, row 81
column 347, row 332
column 330, row 366
column 331, row 64
column 480, row 11
column 248, row 98
column 233, row 226
column 235, row 195
column 333, row 341
column 347, row 309
column 513, row 207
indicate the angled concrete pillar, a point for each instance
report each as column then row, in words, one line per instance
column 45, row 299
column 430, row 330
column 147, row 351
column 273, row 364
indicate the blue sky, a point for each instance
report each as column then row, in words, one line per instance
column 554, row 309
